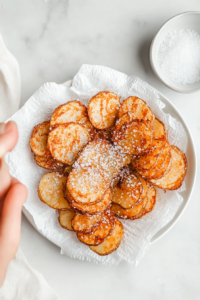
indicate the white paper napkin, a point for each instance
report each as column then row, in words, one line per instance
column 87, row 82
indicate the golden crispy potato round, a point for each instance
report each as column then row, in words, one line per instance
column 159, row 163
column 124, row 119
column 115, row 181
column 149, row 202
column 134, row 105
column 126, row 158
column 125, row 199
column 159, row 130
column 102, row 155
column 38, row 141
column 130, row 213
column 50, row 190
column 128, row 191
column 86, row 185
column 149, row 157
column 72, row 111
column 144, row 184
column 103, row 109
column 142, row 212
column 112, row 242
column 97, row 208
column 131, row 183
column 133, row 137
column 66, row 140
column 49, row 163
column 85, row 223
column 138, row 107
column 65, row 219
column 174, row 178
column 164, row 168
column 99, row 233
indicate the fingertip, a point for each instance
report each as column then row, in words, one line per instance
column 12, row 129
column 10, row 125
column 22, row 190
column 8, row 139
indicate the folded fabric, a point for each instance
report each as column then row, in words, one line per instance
column 22, row 281
column 10, row 83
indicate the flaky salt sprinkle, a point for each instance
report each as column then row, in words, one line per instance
column 179, row 56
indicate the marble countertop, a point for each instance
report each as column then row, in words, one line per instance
column 51, row 39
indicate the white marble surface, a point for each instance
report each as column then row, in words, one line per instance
column 51, row 39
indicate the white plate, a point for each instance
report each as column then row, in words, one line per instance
column 190, row 177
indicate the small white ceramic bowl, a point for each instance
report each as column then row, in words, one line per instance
column 187, row 20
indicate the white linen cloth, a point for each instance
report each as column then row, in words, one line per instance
column 22, row 281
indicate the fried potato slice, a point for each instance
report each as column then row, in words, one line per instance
column 159, row 130
column 158, row 165
column 124, row 119
column 49, row 163
column 144, row 184
column 142, row 212
column 138, row 107
column 98, row 234
column 126, row 158
column 66, row 140
column 147, row 160
column 149, row 202
column 103, row 109
column 133, row 137
column 134, row 105
column 112, row 242
column 72, row 111
column 102, row 155
column 65, row 219
column 164, row 168
column 38, row 141
column 115, row 181
column 174, row 178
column 128, row 191
column 131, row 183
column 50, row 190
column 125, row 199
column 85, row 223
column 99, row 207
column 86, row 185
column 130, row 213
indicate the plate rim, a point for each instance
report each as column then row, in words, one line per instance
column 175, row 219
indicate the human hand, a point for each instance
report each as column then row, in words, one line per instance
column 12, row 196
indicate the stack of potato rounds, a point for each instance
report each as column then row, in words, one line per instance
column 104, row 162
